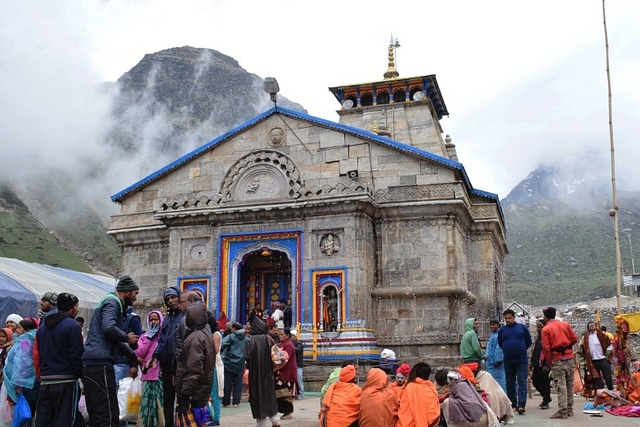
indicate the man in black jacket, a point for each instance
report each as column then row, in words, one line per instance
column 58, row 358
column 104, row 340
column 166, row 350
column 300, row 360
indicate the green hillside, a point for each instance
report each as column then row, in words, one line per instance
column 23, row 237
column 562, row 252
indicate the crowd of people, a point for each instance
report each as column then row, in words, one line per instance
column 191, row 363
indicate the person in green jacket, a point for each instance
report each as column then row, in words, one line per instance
column 470, row 349
column 333, row 377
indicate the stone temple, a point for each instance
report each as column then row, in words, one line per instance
column 369, row 228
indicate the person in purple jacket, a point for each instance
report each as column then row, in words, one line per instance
column 151, row 404
column 514, row 339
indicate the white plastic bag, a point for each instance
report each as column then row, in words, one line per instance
column 129, row 397
column 5, row 410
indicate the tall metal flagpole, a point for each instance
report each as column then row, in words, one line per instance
column 615, row 211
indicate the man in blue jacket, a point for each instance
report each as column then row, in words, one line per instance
column 166, row 350
column 59, row 340
column 105, row 339
column 493, row 355
column 514, row 339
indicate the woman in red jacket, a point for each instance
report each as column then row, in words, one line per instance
column 286, row 377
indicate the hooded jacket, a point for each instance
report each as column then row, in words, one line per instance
column 262, row 393
column 470, row 349
column 232, row 350
column 194, row 371
column 59, row 340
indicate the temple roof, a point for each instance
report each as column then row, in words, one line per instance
column 364, row 134
column 428, row 84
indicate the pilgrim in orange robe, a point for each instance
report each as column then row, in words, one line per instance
column 379, row 405
column 341, row 403
column 419, row 405
column 401, row 373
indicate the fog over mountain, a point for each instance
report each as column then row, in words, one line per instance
column 72, row 144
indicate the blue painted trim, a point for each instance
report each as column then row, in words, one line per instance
column 345, row 287
column 203, row 277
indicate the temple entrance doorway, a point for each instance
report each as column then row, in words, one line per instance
column 265, row 278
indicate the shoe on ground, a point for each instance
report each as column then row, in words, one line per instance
column 286, row 417
column 235, row 405
column 560, row 415
column 521, row 411
column 544, row 406
column 213, row 423
column 569, row 412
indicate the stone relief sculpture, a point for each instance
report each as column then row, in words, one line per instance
column 253, row 185
column 329, row 245
column 276, row 137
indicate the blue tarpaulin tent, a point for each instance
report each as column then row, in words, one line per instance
column 22, row 285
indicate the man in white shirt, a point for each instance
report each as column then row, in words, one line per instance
column 595, row 346
column 278, row 315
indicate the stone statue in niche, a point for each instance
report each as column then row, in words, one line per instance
column 276, row 137
column 329, row 245
column 330, row 315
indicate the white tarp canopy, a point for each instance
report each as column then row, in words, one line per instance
column 22, row 285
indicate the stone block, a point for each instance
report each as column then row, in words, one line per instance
column 331, row 139
column 348, row 165
column 407, row 180
column 360, row 150
column 202, row 183
column 336, row 154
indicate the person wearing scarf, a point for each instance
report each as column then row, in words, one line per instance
column 6, row 341
column 341, row 403
column 401, row 375
column 464, row 407
column 419, row 404
column 379, row 404
column 151, row 403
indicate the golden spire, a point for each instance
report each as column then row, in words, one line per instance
column 392, row 73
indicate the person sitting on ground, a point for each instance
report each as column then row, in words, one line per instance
column 333, row 377
column 378, row 404
column 419, row 404
column 401, row 375
column 497, row 398
column 464, row 407
column 341, row 403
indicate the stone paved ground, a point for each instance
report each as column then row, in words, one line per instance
column 306, row 415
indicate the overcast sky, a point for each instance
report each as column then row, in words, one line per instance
column 524, row 81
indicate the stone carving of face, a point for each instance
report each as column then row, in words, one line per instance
column 276, row 136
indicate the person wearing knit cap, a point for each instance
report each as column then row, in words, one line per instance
column 341, row 403
column 12, row 321
column 558, row 339
column 419, row 405
column 165, row 352
column 60, row 339
column 48, row 304
column 401, row 375
column 378, row 404
column 105, row 340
